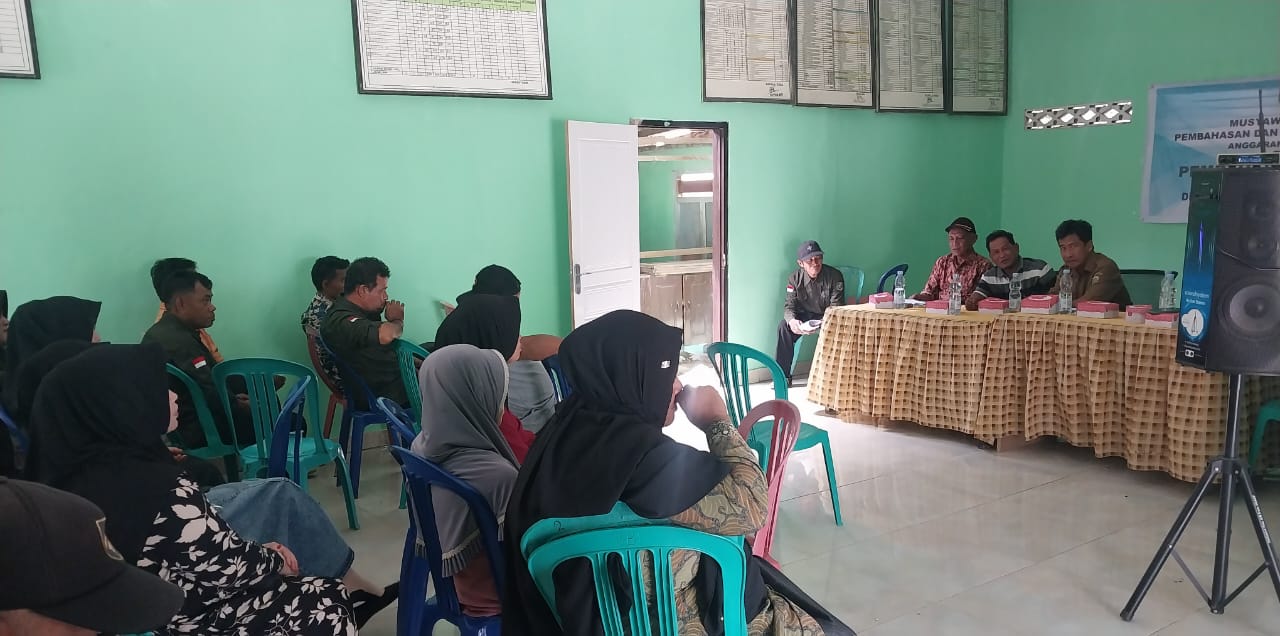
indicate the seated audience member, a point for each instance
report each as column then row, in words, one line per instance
column 356, row 332
column 605, row 445
column 38, row 324
column 495, row 280
column 1036, row 276
column 810, row 290
column 493, row 322
column 100, row 417
column 962, row 260
column 329, row 275
column 189, row 309
column 463, row 389
column 1093, row 275
column 62, row 577
column 45, row 361
column 161, row 270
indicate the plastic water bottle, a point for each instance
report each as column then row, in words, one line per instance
column 1168, row 297
column 1064, row 291
column 1015, row 292
column 954, row 302
column 900, row 290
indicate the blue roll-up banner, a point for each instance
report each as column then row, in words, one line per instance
column 1190, row 125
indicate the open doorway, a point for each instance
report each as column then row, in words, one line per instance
column 683, row 222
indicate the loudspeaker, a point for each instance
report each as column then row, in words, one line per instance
column 1230, row 317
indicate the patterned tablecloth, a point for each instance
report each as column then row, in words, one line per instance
column 1103, row 384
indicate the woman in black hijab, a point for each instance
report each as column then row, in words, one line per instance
column 495, row 280
column 605, row 445
column 38, row 324
column 99, row 418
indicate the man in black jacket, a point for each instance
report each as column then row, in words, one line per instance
column 188, row 298
column 810, row 290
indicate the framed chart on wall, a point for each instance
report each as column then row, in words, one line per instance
column 469, row 48
column 17, row 40
column 979, row 66
column 835, row 53
column 746, row 51
column 911, row 46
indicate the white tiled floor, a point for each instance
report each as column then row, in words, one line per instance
column 943, row 536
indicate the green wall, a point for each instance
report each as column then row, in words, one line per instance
column 1085, row 50
column 658, row 199
column 231, row 132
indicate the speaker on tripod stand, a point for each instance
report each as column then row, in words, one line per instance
column 1230, row 322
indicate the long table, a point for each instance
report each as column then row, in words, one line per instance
column 1100, row 383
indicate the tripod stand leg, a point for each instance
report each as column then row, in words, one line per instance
column 1170, row 540
column 1260, row 529
column 1222, row 549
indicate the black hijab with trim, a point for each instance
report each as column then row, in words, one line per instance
column 604, row 445
column 98, row 419
column 493, row 279
column 484, row 321
column 40, row 323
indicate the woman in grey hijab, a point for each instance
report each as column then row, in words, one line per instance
column 464, row 392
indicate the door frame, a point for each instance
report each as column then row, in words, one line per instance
column 720, row 215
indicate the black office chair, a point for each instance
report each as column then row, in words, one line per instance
column 1144, row 285
column 893, row 273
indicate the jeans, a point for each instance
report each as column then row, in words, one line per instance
column 276, row 510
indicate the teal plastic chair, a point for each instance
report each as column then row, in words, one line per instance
column 890, row 274
column 312, row 450
column 732, row 362
column 1268, row 413
column 621, row 532
column 408, row 354
column 214, row 447
column 854, row 278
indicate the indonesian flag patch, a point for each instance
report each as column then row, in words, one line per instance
column 353, row 319
column 200, row 362
column 791, row 289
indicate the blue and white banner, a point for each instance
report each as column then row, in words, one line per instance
column 1190, row 125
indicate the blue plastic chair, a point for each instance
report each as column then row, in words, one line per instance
column 732, row 364
column 1269, row 412
column 561, row 384
column 284, row 437
column 621, row 532
column 354, row 420
column 215, row 446
column 408, row 354
column 400, row 428
column 19, row 438
column 889, row 275
column 417, row 614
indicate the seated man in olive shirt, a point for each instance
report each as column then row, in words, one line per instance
column 355, row 331
column 189, row 309
column 1093, row 276
column 810, row 290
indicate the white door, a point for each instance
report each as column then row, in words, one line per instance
column 604, row 219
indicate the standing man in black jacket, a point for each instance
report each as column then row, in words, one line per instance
column 810, row 290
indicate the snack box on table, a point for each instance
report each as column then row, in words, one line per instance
column 1039, row 304
column 1097, row 309
column 936, row 307
column 1161, row 320
column 883, row 300
column 1136, row 314
column 993, row 306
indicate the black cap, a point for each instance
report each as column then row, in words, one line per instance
column 56, row 561
column 962, row 223
column 808, row 249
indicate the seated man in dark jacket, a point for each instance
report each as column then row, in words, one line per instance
column 355, row 331
column 188, row 298
column 810, row 290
